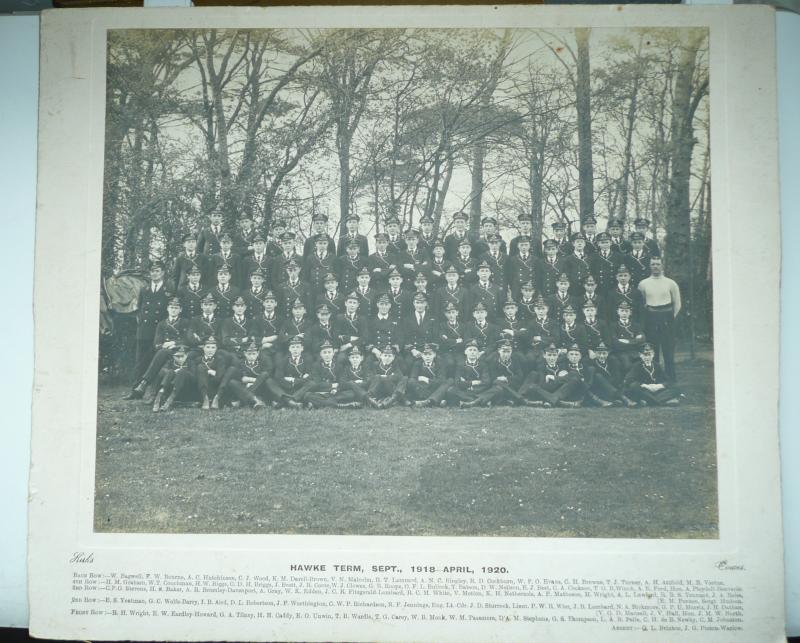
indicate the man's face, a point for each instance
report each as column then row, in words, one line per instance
column 421, row 284
column 428, row 356
column 527, row 293
column 256, row 281
column 352, row 226
column 287, row 245
column 452, row 315
column 260, row 247
column 551, row 251
column 190, row 245
column 559, row 233
column 295, row 350
column 624, row 313
column 173, row 310
column 460, row 224
column 225, row 244
column 324, row 316
column 179, row 358
column 510, row 311
column 208, row 307
column 395, row 282
column 489, row 228
column 615, row 231
column 656, row 266
column 480, row 316
column 551, row 357
column 326, row 354
column 246, row 224
column 579, row 244
column 321, row 246
column 573, row 356
column 331, row 285
column 352, row 251
column 647, row 357
column 623, row 278
column 351, row 305
column 562, row 286
column 278, row 230
column 239, row 309
column 438, row 252
column 569, row 318
column 393, row 229
column 465, row 250
column 319, row 227
column 383, row 308
column 590, row 229
column 294, row 273
column 194, row 278
column 381, row 244
column 363, row 280
column 299, row 311
column 604, row 245
column 590, row 312
column 471, row 353
column 602, row 355
column 451, row 278
column 541, row 311
column 525, row 226
column 524, row 247
column 156, row 274
column 223, row 278
column 209, row 350
column 590, row 285
column 420, row 306
column 387, row 358
column 216, row 218
column 483, row 274
column 494, row 246
column 637, row 244
column 505, row 353
column 427, row 228
column 251, row 355
column 269, row 306
column 355, row 360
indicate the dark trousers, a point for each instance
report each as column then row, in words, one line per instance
column 551, row 392
column 161, row 357
column 660, row 331
column 481, row 394
column 283, row 390
column 358, row 392
column 604, row 388
column 176, row 383
column 504, row 392
column 144, row 354
column 655, row 399
column 386, row 386
column 435, row 390
column 245, row 393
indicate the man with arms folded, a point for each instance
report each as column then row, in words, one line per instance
column 471, row 382
column 662, row 303
column 507, row 374
column 646, row 382
column 249, row 377
column 428, row 383
column 387, row 384
column 292, row 377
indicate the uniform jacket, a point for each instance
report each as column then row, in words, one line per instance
column 151, row 309
column 310, row 245
column 485, row 335
column 415, row 335
column 235, row 333
column 381, row 332
column 467, row 373
column 344, row 240
column 200, row 329
column 261, row 327
column 191, row 301
column 167, row 331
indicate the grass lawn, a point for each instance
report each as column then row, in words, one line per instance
column 445, row 472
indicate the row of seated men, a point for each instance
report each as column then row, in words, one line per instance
column 276, row 344
column 217, row 378
column 576, row 258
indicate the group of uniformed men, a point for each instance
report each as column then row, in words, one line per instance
column 420, row 321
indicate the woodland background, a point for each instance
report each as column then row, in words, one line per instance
column 554, row 125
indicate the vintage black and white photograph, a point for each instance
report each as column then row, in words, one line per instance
column 407, row 282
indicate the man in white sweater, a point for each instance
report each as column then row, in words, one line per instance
column 662, row 303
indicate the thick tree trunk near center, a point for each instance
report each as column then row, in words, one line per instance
column 584, row 108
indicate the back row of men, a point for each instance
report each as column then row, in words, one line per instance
column 584, row 253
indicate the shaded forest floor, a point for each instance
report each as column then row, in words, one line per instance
column 502, row 471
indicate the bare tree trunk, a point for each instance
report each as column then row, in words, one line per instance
column 584, row 108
